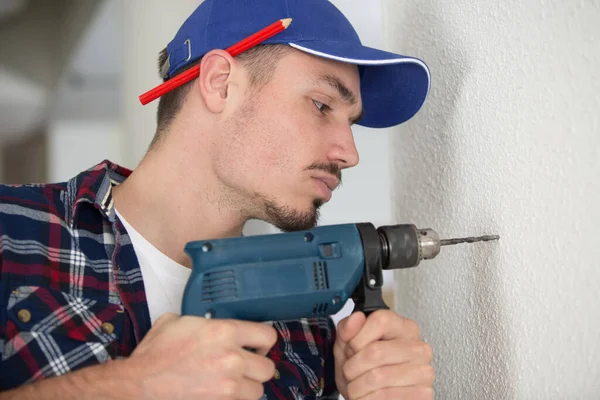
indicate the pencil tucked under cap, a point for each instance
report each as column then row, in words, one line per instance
column 393, row 86
column 193, row 72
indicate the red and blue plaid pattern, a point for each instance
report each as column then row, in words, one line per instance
column 72, row 294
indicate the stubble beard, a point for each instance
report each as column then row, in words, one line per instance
column 288, row 219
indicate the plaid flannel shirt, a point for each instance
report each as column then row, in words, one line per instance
column 72, row 293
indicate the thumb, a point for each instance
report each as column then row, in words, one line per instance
column 349, row 327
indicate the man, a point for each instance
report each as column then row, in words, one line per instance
column 92, row 270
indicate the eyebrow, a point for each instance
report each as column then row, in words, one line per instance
column 345, row 93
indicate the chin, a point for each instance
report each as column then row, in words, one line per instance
column 289, row 218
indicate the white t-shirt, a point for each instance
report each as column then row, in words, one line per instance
column 164, row 279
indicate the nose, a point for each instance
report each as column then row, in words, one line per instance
column 342, row 148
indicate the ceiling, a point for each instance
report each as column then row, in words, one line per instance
column 85, row 63
column 9, row 8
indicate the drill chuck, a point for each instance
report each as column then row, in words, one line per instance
column 405, row 246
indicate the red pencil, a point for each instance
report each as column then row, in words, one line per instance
column 234, row 50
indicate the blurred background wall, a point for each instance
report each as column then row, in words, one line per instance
column 507, row 143
column 59, row 68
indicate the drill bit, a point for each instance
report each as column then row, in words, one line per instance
column 448, row 242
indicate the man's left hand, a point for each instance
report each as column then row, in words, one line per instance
column 382, row 357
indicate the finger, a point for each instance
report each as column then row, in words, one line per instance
column 162, row 323
column 242, row 389
column 257, row 336
column 250, row 390
column 347, row 329
column 387, row 352
column 384, row 325
column 350, row 326
column 258, row 368
column 411, row 392
column 164, row 319
column 253, row 335
column 391, row 376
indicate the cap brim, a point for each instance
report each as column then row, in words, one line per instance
column 393, row 86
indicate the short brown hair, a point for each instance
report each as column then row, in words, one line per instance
column 260, row 61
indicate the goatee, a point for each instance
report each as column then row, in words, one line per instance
column 289, row 220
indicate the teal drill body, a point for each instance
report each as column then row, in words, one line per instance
column 275, row 277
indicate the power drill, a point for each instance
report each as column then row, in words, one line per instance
column 303, row 274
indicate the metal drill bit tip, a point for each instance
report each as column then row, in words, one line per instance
column 447, row 242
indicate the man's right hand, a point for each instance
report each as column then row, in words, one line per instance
column 179, row 358
column 197, row 358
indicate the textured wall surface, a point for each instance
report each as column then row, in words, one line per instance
column 508, row 143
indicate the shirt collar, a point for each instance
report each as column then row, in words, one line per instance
column 94, row 186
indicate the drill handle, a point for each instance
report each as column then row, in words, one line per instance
column 367, row 296
column 368, row 299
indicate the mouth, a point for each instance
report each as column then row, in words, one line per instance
column 326, row 185
column 331, row 181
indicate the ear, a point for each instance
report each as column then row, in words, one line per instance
column 214, row 79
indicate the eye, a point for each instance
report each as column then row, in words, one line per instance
column 323, row 108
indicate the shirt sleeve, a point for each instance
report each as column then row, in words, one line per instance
column 304, row 363
column 330, row 390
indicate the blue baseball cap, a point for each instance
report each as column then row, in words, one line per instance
column 393, row 86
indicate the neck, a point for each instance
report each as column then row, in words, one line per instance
column 160, row 202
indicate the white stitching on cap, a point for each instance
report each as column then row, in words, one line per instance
column 367, row 62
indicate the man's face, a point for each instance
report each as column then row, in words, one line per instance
column 283, row 149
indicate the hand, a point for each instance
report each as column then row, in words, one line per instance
column 382, row 357
column 196, row 358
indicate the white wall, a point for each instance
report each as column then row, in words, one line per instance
column 508, row 143
column 76, row 145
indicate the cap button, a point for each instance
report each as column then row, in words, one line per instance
column 24, row 315
column 108, row 328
